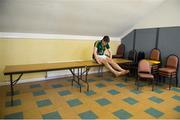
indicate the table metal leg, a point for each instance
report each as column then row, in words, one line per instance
column 75, row 76
column 12, row 89
column 87, row 70
column 46, row 74
column 12, row 83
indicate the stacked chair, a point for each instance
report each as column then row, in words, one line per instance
column 155, row 55
column 170, row 70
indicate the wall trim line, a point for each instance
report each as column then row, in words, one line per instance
column 13, row 35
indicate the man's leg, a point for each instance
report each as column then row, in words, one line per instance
column 114, row 65
column 107, row 65
column 117, row 67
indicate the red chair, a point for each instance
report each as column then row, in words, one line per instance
column 171, row 69
column 155, row 54
column 120, row 51
column 144, row 72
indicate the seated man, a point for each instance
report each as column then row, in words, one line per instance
column 99, row 55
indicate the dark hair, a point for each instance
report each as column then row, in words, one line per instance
column 106, row 39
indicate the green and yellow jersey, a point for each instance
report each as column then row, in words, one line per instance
column 100, row 48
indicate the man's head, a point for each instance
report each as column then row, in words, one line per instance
column 105, row 40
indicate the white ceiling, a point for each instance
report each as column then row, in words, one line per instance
column 73, row 17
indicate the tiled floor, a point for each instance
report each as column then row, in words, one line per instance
column 111, row 98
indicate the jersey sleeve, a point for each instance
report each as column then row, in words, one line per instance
column 107, row 46
column 96, row 44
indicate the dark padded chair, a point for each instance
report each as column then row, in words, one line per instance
column 120, row 51
column 132, row 55
column 140, row 56
column 171, row 69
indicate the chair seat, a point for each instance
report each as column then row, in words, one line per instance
column 155, row 67
column 167, row 70
column 117, row 56
column 146, row 75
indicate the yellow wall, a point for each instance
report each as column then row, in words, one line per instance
column 30, row 51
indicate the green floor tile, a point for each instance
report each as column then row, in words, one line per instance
column 90, row 93
column 15, row 103
column 177, row 108
column 38, row 93
column 88, row 115
column 122, row 114
column 135, row 91
column 42, row 103
column 103, row 101
column 176, row 97
column 52, row 115
column 18, row 115
column 113, row 92
column 64, row 93
column 130, row 100
column 156, row 99
column 120, row 85
column 154, row 112
column 15, row 93
column 100, row 85
column 74, row 102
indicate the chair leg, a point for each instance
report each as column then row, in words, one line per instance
column 176, row 80
column 164, row 79
column 159, row 79
column 134, row 72
column 101, row 70
column 156, row 79
column 137, row 83
column 170, row 82
column 153, row 84
column 136, row 75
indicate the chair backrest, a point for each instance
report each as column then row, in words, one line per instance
column 172, row 61
column 141, row 55
column 144, row 67
column 132, row 55
column 121, row 50
column 155, row 54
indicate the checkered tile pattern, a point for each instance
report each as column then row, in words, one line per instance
column 107, row 98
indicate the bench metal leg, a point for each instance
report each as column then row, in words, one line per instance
column 12, row 89
column 12, row 83
column 75, row 76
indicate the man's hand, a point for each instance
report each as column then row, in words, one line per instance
column 98, row 61
column 110, row 54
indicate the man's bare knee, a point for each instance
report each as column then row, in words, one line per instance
column 109, row 60
column 104, row 61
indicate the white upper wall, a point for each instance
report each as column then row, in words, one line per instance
column 73, row 17
column 168, row 14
